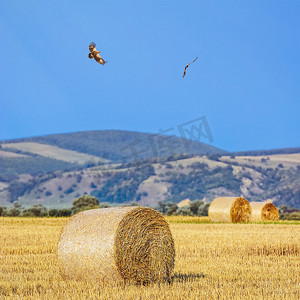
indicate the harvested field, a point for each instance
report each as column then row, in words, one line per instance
column 266, row 161
column 213, row 261
column 52, row 152
column 8, row 154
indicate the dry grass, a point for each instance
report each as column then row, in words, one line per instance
column 288, row 160
column 213, row 261
column 187, row 219
column 7, row 154
column 52, row 152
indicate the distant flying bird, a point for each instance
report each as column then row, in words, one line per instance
column 188, row 65
column 95, row 54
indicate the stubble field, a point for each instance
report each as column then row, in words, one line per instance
column 213, row 261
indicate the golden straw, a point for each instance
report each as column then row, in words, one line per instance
column 229, row 209
column 120, row 244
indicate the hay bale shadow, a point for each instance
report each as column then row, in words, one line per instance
column 176, row 278
column 180, row 277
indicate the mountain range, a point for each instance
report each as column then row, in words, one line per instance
column 122, row 167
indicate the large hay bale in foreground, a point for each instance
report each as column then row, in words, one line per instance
column 229, row 209
column 117, row 244
column 262, row 211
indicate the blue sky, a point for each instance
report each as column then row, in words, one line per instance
column 246, row 81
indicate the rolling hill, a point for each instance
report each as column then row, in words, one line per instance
column 124, row 167
column 117, row 145
column 43, row 154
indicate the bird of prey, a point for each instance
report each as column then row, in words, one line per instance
column 188, row 65
column 95, row 54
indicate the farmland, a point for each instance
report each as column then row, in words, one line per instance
column 213, row 261
column 51, row 152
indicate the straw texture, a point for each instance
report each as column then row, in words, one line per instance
column 229, row 209
column 262, row 211
column 119, row 244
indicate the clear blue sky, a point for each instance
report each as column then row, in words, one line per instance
column 246, row 81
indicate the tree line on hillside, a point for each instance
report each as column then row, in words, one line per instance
column 196, row 183
column 10, row 168
column 87, row 202
column 267, row 152
column 122, row 186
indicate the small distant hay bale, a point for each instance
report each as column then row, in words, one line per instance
column 262, row 211
column 184, row 203
column 117, row 244
column 230, row 209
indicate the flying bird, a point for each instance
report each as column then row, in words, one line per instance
column 188, row 65
column 95, row 54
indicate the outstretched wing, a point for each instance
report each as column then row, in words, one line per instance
column 188, row 65
column 97, row 58
column 185, row 70
column 193, row 60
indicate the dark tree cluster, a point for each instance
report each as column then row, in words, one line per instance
column 196, row 208
column 122, row 186
column 196, row 184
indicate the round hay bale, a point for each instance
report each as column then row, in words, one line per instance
column 262, row 211
column 229, row 209
column 119, row 244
